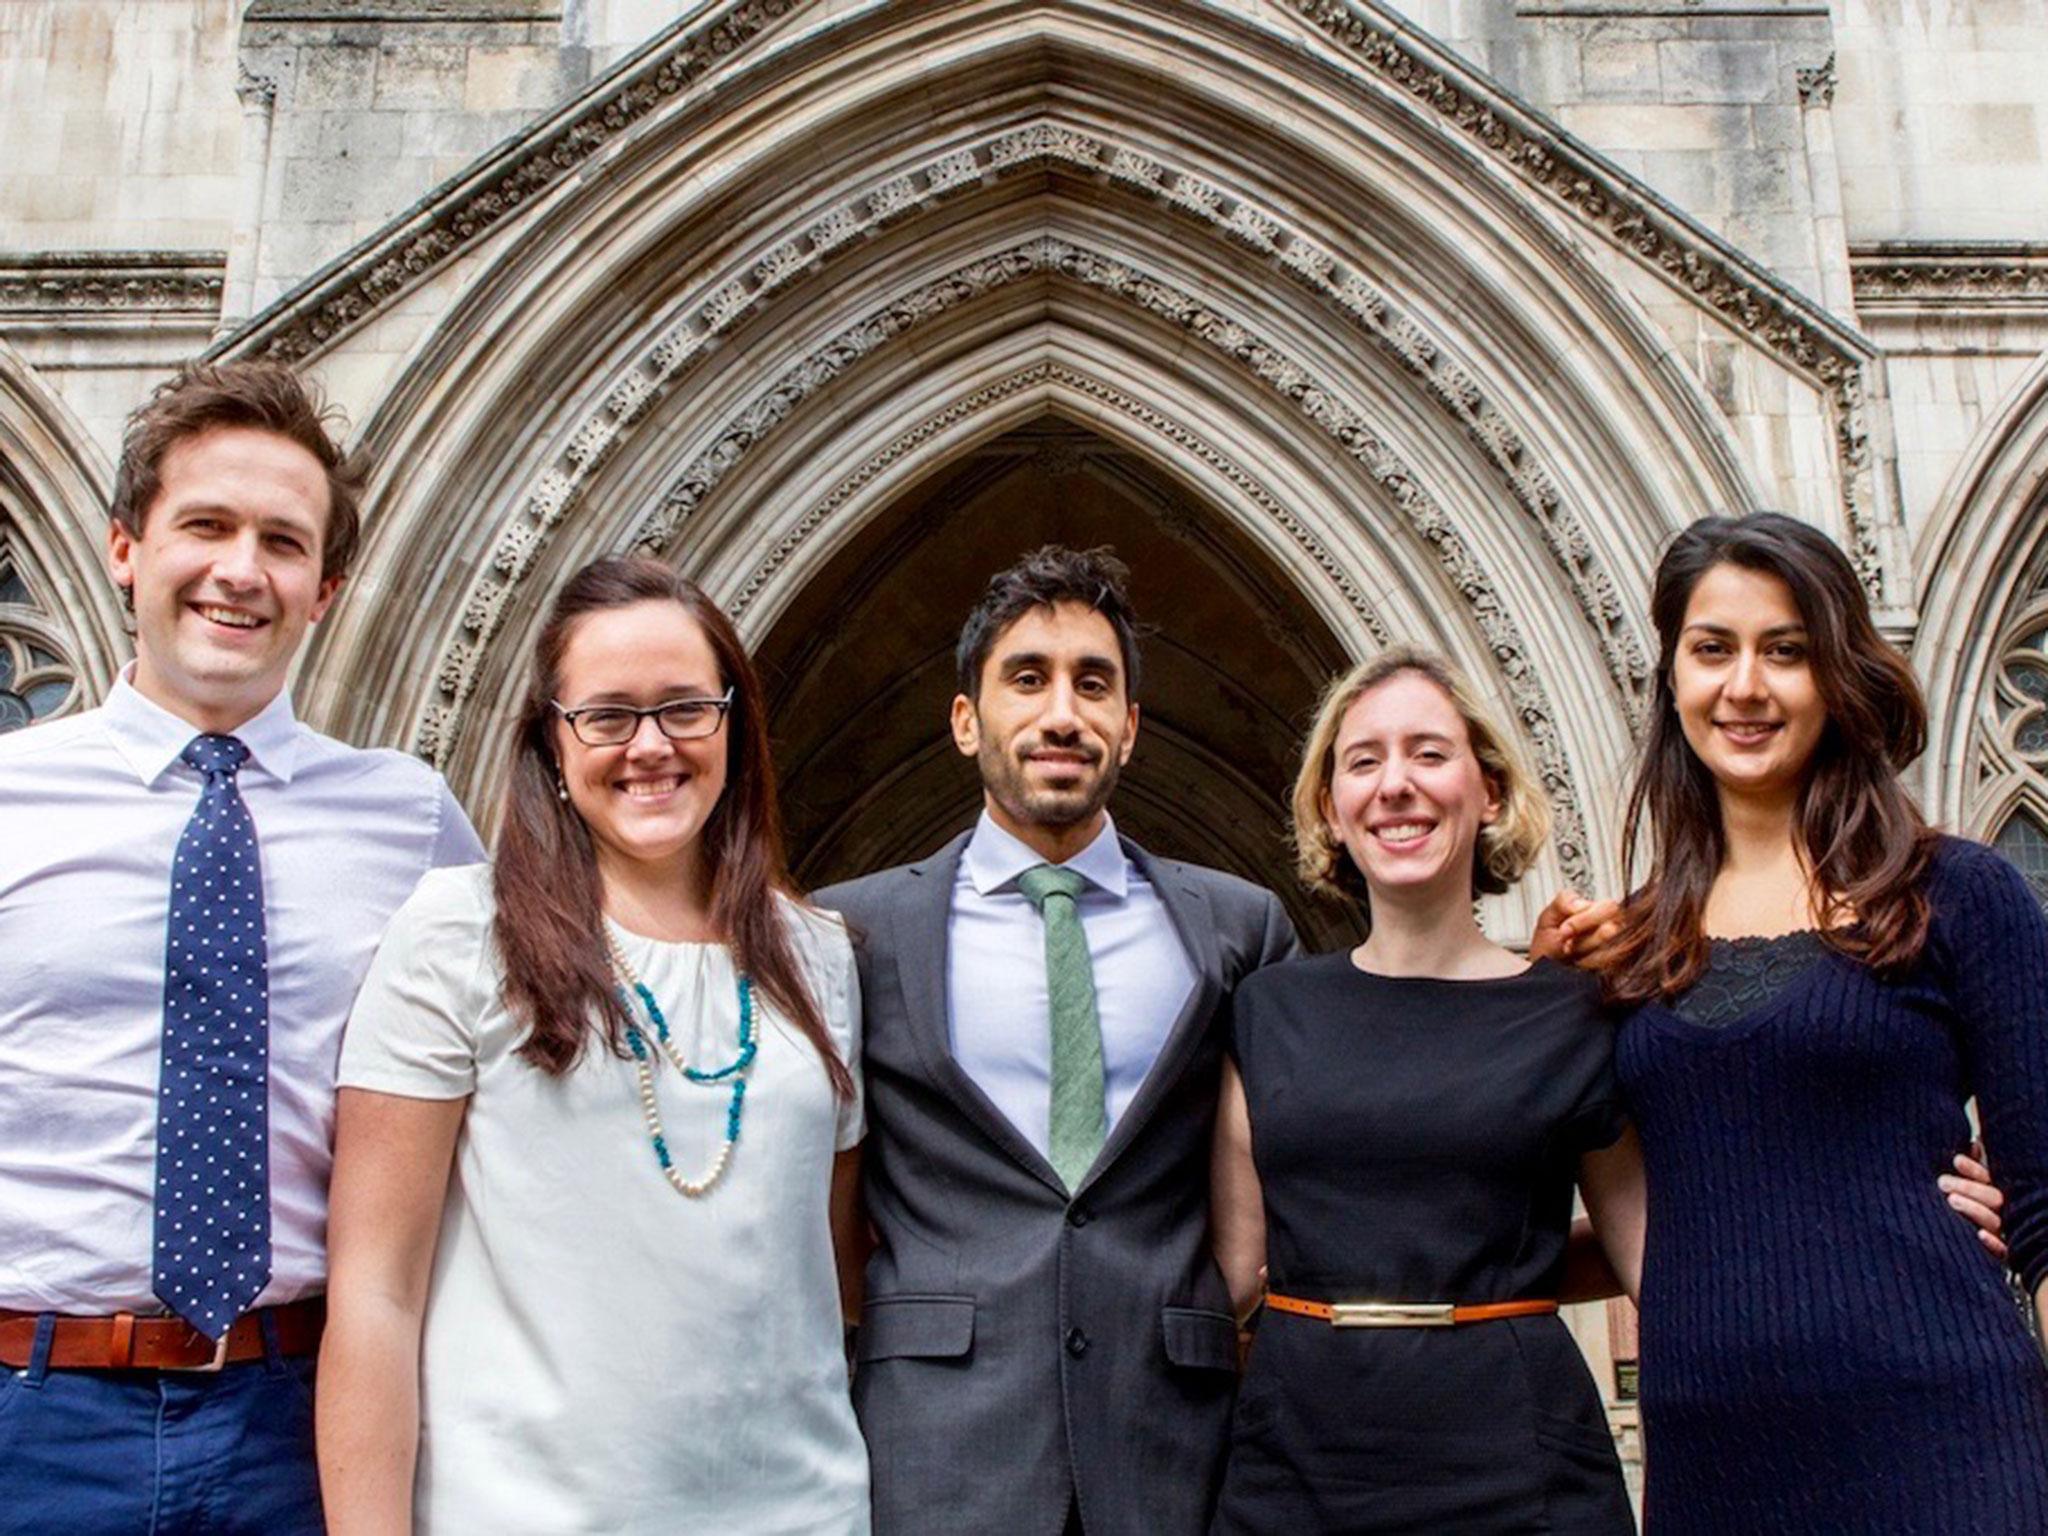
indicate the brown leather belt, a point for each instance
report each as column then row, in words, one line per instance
column 1401, row 1314
column 126, row 1342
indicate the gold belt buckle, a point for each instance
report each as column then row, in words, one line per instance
column 1390, row 1314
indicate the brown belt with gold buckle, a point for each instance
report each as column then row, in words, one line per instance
column 1401, row 1314
column 125, row 1342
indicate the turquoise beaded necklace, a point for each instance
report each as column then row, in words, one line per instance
column 734, row 1071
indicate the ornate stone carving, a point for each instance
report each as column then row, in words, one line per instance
column 1035, row 149
column 402, row 10
column 1817, row 85
column 71, row 284
column 1745, row 296
column 1346, row 426
column 254, row 90
column 392, row 262
column 1949, row 275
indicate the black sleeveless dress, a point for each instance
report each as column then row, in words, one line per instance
column 1418, row 1141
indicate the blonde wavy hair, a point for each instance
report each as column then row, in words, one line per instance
column 1505, row 848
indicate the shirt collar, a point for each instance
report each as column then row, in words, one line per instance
column 994, row 859
column 150, row 738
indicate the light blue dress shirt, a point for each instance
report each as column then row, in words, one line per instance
column 995, row 974
column 91, row 810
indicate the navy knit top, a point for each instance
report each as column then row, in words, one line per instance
column 1825, row 1346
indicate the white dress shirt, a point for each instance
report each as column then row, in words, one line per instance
column 995, row 974
column 91, row 811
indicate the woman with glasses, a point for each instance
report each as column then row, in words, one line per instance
column 595, row 1127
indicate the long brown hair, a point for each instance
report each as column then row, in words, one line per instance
column 1866, row 846
column 550, row 914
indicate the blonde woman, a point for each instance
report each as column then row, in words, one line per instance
column 1398, row 1140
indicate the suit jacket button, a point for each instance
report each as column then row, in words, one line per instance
column 1077, row 1215
column 1077, row 1343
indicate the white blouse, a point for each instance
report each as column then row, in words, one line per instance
column 599, row 1352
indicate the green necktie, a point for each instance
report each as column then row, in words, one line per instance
column 1079, row 1123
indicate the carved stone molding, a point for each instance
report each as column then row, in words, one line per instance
column 1817, row 85
column 517, row 547
column 1185, row 441
column 279, row 11
column 1950, row 275
column 1656, row 233
column 1745, row 296
column 254, row 91
column 71, row 284
column 1034, row 149
column 418, row 243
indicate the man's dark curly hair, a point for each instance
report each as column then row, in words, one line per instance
column 1051, row 574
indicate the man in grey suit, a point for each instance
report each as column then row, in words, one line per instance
column 1046, row 1344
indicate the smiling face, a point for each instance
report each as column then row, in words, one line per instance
column 225, row 574
column 647, row 800
column 1744, row 686
column 1054, row 723
column 1407, row 794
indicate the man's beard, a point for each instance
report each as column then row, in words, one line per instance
column 1003, row 775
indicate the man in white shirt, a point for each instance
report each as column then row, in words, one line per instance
column 191, row 887
column 1046, row 1343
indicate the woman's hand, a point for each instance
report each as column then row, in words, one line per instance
column 1574, row 928
column 1973, row 1196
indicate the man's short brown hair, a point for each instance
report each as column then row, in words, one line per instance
column 267, row 397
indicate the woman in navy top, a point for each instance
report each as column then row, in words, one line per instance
column 1820, row 983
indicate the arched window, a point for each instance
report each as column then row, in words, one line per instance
column 2024, row 840
column 36, row 680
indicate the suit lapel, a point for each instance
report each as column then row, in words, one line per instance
column 1188, row 905
column 921, row 956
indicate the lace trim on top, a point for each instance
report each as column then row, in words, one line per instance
column 1743, row 975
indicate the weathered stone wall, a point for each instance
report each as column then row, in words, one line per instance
column 1942, row 118
column 371, row 111
column 118, row 124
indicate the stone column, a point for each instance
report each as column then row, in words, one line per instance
column 1824, row 186
column 258, row 95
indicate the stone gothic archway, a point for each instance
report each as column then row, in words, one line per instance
column 859, row 246
column 861, row 664
column 62, row 636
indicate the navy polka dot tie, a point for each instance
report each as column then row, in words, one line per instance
column 212, row 1254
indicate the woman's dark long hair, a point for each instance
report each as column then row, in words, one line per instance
column 550, row 915
column 1864, row 841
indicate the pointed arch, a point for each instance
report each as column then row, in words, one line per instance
column 65, row 626
column 1984, row 564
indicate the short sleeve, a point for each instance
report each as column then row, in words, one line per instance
column 455, row 840
column 1599, row 1114
column 827, row 948
column 845, row 1023
column 1599, row 1120
column 413, row 1030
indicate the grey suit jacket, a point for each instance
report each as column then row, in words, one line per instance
column 1019, row 1350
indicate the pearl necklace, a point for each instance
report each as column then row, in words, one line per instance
column 643, row 1068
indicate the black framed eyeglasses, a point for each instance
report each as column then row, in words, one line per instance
column 613, row 725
